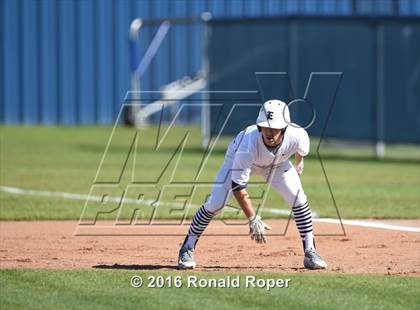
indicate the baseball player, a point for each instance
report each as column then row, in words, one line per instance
column 263, row 149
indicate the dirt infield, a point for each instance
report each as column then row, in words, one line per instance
column 52, row 244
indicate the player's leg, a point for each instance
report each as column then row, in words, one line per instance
column 220, row 194
column 287, row 182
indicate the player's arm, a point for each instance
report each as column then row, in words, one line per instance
column 299, row 165
column 302, row 150
column 242, row 197
column 241, row 170
column 256, row 226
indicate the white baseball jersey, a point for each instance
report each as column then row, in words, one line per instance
column 247, row 154
column 250, row 153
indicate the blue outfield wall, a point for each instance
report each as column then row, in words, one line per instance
column 68, row 62
column 371, row 65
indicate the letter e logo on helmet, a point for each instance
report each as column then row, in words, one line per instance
column 273, row 114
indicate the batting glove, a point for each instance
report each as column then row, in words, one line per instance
column 257, row 229
column 299, row 167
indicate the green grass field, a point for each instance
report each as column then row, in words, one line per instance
column 111, row 289
column 66, row 159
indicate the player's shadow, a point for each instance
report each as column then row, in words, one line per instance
column 135, row 267
column 173, row 267
column 239, row 268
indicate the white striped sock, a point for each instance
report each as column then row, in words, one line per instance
column 199, row 223
column 303, row 219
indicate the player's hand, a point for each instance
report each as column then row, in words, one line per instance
column 299, row 167
column 257, row 229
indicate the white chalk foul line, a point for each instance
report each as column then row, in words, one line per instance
column 369, row 224
column 73, row 196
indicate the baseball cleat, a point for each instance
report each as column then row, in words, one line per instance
column 186, row 258
column 313, row 260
